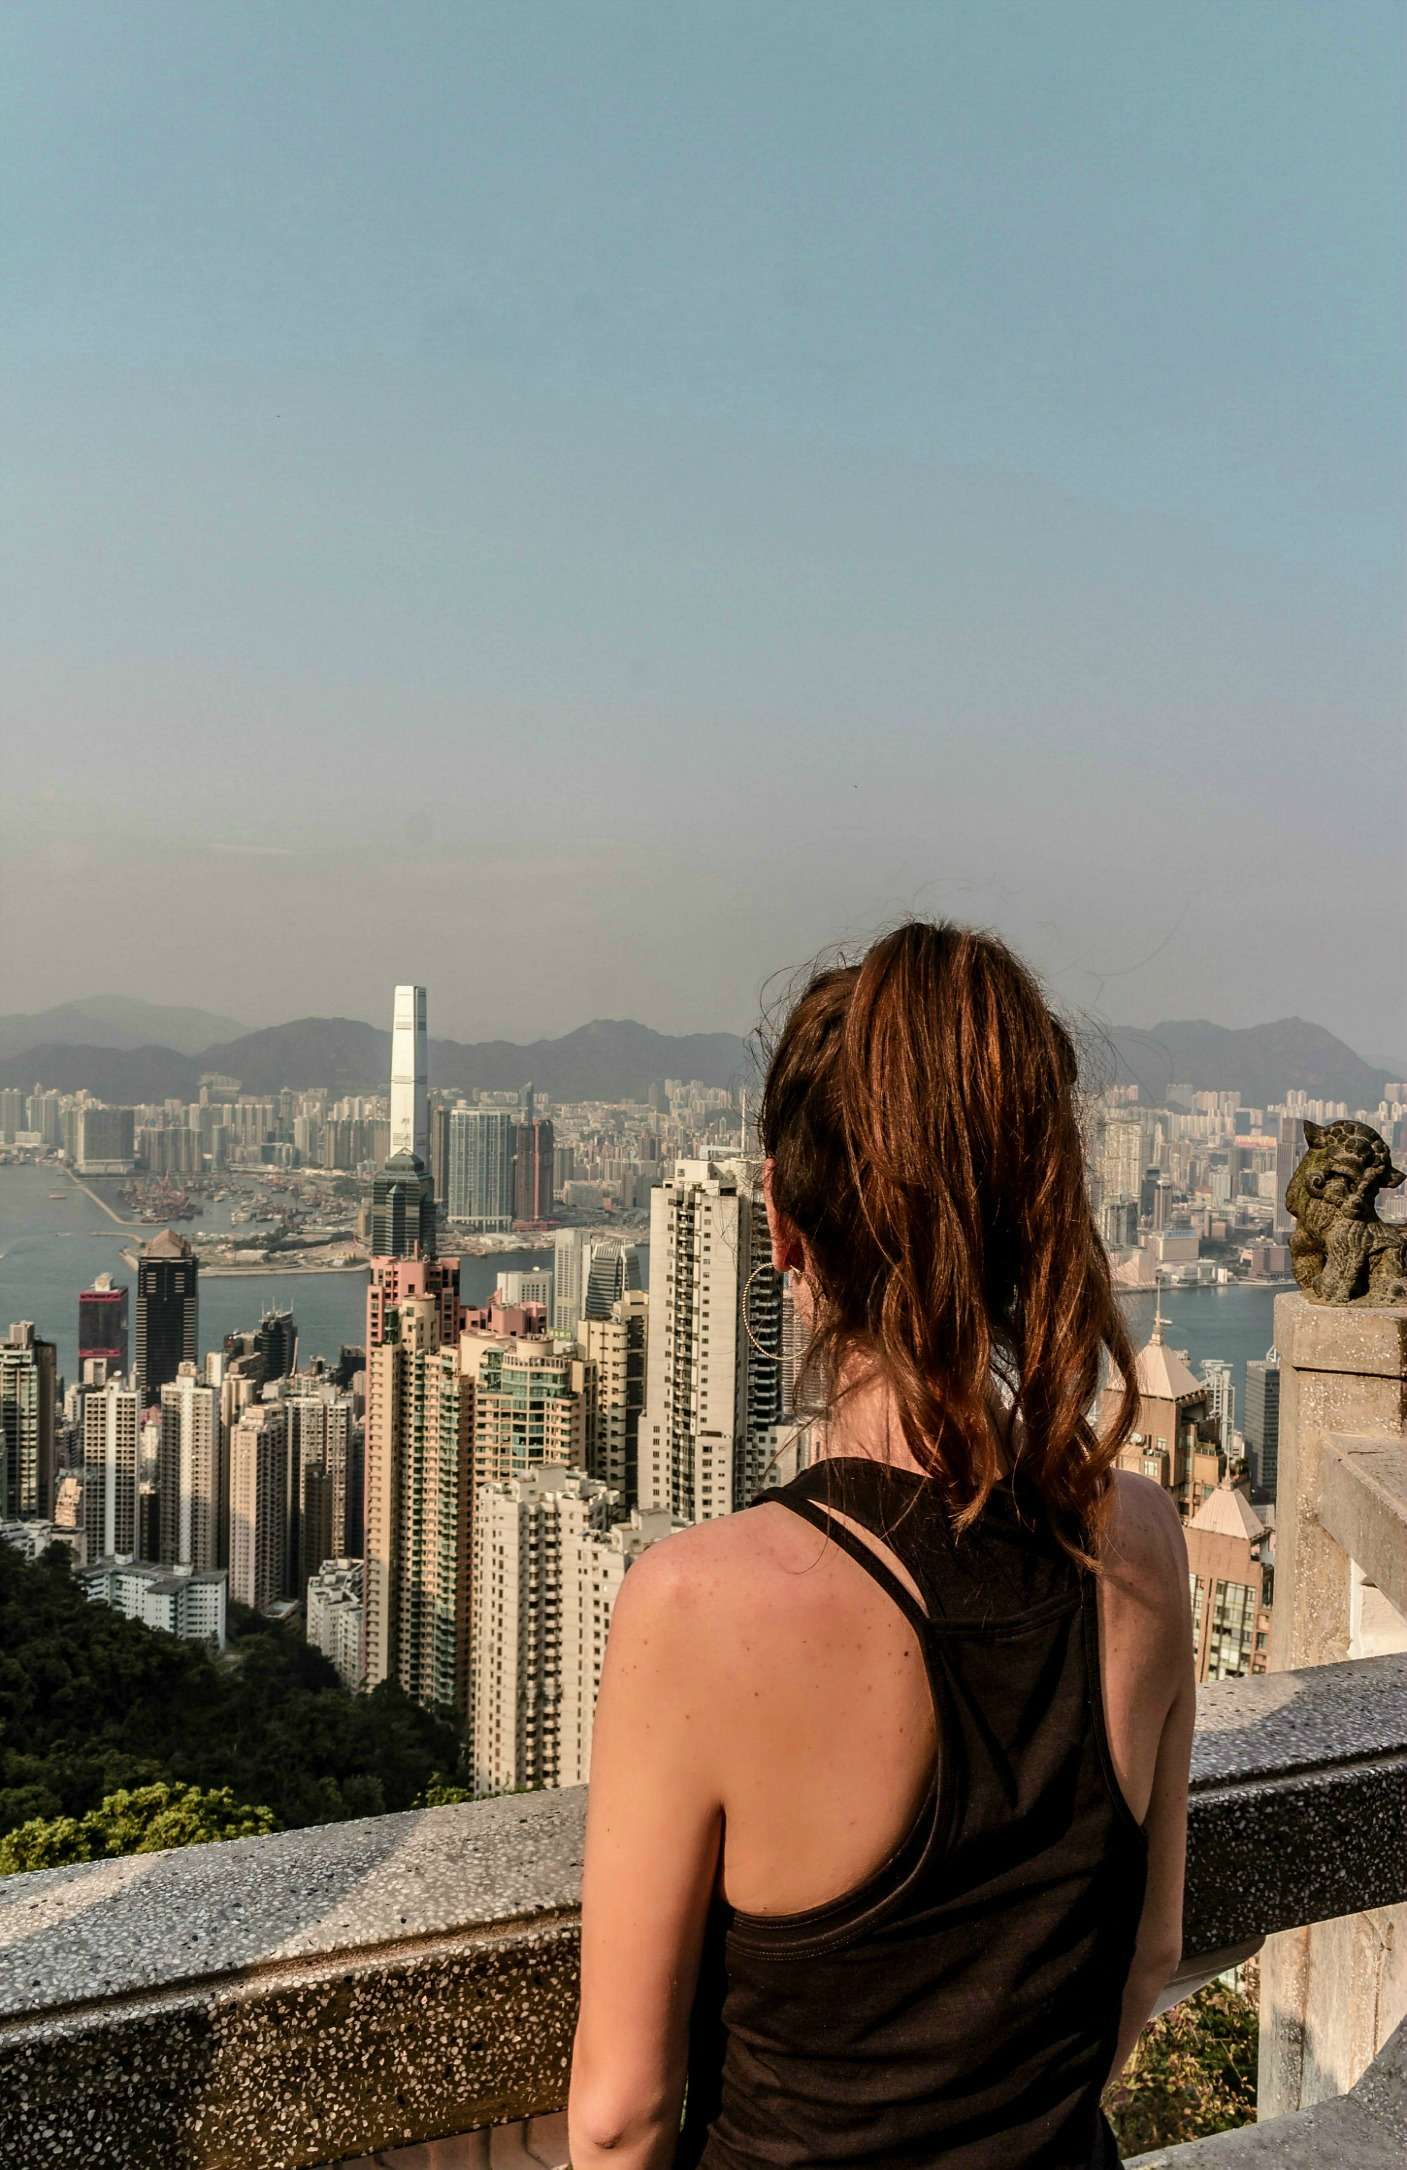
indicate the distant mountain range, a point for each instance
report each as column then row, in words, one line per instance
column 612, row 1058
column 116, row 1021
column 1259, row 1061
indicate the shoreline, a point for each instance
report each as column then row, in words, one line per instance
column 130, row 1228
column 217, row 1271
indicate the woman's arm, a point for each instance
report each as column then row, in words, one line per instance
column 652, row 1840
column 1159, row 1945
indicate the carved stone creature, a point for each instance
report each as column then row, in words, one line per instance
column 1341, row 1252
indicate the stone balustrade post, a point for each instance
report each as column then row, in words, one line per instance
column 1331, row 1994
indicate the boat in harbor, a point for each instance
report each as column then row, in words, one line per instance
column 58, row 1194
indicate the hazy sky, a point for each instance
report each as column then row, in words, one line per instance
column 582, row 504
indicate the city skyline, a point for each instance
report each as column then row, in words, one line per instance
column 942, row 460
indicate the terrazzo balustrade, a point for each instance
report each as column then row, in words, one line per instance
column 325, row 1995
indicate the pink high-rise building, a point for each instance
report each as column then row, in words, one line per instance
column 396, row 1280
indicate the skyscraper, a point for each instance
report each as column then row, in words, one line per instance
column 529, row 1403
column 394, row 1279
column 1221, row 1398
column 615, row 1352
column 568, row 1279
column 533, row 1150
column 102, row 1325
column 28, row 1380
column 714, row 1377
column 321, row 1481
column 276, row 1344
column 167, row 1311
column 192, row 1492
column 105, row 1141
column 1122, row 1158
column 1262, row 1424
column 614, row 1269
column 111, row 1426
column 417, row 1508
column 259, row 1505
column 482, row 1168
column 403, row 1210
column 410, row 1124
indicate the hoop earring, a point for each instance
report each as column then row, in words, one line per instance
column 769, row 1356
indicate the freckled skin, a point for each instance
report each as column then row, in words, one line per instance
column 805, row 1653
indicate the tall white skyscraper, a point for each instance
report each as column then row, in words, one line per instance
column 112, row 1417
column 192, row 1478
column 568, row 1279
column 410, row 1117
column 715, row 1408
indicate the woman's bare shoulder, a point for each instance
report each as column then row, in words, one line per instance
column 1145, row 1552
column 725, row 1573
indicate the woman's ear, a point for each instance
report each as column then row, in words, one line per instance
column 788, row 1252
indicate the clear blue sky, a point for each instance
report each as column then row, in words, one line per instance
column 582, row 504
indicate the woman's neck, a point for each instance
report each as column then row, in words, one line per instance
column 864, row 1421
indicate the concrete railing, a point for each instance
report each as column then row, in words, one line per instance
column 327, row 1994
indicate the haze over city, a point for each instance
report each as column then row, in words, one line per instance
column 749, row 473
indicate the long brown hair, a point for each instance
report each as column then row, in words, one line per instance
column 922, row 1121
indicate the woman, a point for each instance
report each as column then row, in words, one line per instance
column 888, row 1793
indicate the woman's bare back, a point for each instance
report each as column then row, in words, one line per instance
column 825, row 1732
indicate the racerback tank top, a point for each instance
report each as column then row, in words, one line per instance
column 960, row 2007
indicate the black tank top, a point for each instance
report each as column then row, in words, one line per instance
column 960, row 2007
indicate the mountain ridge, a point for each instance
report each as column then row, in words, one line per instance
column 619, row 1058
column 116, row 1021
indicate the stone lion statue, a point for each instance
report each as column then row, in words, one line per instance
column 1341, row 1252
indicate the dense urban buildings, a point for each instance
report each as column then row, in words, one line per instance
column 454, row 1503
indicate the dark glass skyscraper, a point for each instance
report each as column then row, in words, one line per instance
column 614, row 1268
column 403, row 1210
column 1261, row 1424
column 167, row 1301
column 276, row 1344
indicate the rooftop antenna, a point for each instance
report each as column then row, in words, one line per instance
column 1159, row 1322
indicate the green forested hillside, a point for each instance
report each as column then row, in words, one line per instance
column 91, row 1703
